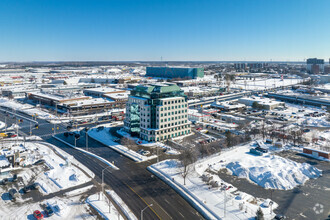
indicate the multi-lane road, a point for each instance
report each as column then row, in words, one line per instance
column 132, row 182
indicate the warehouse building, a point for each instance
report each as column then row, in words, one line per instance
column 157, row 112
column 175, row 72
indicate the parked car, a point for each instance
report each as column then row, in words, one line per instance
column 41, row 161
column 261, row 149
column 279, row 217
column 12, row 194
column 49, row 211
column 14, row 179
column 38, row 215
column 26, row 189
column 4, row 181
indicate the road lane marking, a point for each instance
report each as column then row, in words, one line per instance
column 142, row 200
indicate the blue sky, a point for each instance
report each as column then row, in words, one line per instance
column 138, row 30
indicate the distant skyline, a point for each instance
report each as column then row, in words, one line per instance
column 176, row 30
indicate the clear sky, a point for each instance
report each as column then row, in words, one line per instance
column 142, row 30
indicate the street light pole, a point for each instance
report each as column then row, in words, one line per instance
column 145, row 209
column 103, row 179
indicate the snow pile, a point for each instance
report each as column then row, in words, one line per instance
column 268, row 171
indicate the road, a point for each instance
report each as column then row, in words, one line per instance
column 133, row 183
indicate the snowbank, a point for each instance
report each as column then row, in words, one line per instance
column 268, row 171
column 128, row 213
column 102, row 207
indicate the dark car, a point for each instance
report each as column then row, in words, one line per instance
column 12, row 194
column 69, row 127
column 26, row 189
column 41, row 161
column 261, row 149
column 4, row 181
column 279, row 217
column 49, row 211
column 14, row 179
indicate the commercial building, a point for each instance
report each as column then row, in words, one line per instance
column 264, row 103
column 102, row 91
column 157, row 112
column 75, row 105
column 175, row 72
column 315, row 66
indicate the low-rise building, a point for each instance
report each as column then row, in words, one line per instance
column 264, row 103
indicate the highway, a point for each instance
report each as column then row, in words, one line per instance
column 133, row 183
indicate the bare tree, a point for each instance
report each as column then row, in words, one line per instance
column 187, row 158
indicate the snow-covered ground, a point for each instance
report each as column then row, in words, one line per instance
column 268, row 171
column 62, row 174
column 102, row 207
column 2, row 125
column 208, row 199
column 260, row 84
column 64, row 208
column 106, row 138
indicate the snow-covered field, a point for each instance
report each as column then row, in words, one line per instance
column 260, row 84
column 268, row 171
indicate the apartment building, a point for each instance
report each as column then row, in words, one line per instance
column 157, row 112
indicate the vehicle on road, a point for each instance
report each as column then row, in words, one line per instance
column 38, row 215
